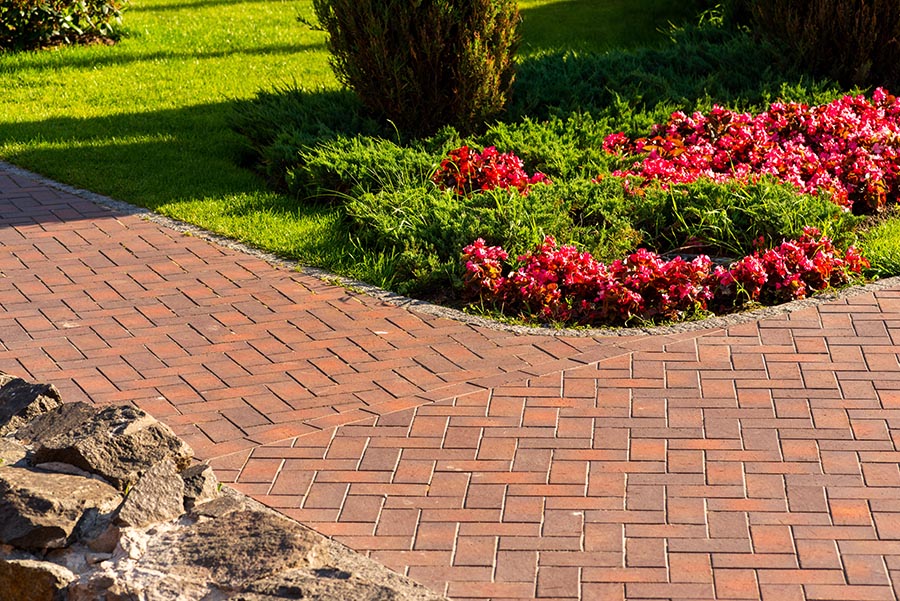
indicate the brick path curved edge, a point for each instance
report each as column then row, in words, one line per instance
column 758, row 461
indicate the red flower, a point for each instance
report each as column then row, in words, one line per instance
column 467, row 172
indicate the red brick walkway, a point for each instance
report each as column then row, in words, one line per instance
column 757, row 462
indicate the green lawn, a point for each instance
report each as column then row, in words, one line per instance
column 146, row 120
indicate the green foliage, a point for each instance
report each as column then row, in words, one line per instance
column 558, row 147
column 726, row 219
column 335, row 168
column 278, row 125
column 881, row 245
column 598, row 216
column 426, row 228
column 423, row 64
column 602, row 25
column 857, row 42
column 31, row 24
column 704, row 64
column 566, row 104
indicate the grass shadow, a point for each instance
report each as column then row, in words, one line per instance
column 697, row 67
column 575, row 24
column 95, row 61
column 198, row 4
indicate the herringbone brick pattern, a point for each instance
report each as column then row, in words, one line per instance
column 757, row 462
column 229, row 350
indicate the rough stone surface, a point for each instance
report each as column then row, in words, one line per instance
column 63, row 468
column 11, row 452
column 68, row 417
column 200, row 485
column 249, row 553
column 158, row 496
column 218, row 507
column 210, row 559
column 238, row 548
column 321, row 585
column 40, row 510
column 101, row 537
column 21, row 401
column 31, row 580
column 119, row 444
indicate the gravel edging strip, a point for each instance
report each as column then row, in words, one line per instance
column 427, row 308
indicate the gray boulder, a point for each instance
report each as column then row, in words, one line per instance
column 157, row 497
column 209, row 560
column 32, row 580
column 21, row 401
column 40, row 510
column 321, row 585
column 238, row 548
column 119, row 444
column 68, row 417
column 200, row 485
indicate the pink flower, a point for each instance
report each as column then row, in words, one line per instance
column 560, row 284
column 848, row 149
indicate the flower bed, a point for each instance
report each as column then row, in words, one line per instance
column 560, row 284
column 848, row 148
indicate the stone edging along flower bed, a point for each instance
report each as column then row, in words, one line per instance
column 717, row 322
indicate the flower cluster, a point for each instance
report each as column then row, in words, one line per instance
column 560, row 284
column 794, row 269
column 849, row 148
column 466, row 171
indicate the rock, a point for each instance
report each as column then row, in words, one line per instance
column 158, row 496
column 207, row 560
column 40, row 510
column 64, row 468
column 119, row 444
column 68, row 417
column 102, row 541
column 31, row 580
column 200, row 485
column 11, row 452
column 21, row 401
column 238, row 548
column 219, row 507
column 108, row 585
column 321, row 585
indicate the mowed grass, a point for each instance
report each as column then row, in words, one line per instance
column 147, row 120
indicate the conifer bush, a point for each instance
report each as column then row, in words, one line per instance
column 423, row 64
column 856, row 42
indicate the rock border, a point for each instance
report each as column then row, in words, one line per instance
column 420, row 306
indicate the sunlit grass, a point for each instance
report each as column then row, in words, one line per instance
column 881, row 245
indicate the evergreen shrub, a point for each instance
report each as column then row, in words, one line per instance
column 423, row 64
column 856, row 42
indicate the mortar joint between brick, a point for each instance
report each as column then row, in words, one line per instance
column 275, row 477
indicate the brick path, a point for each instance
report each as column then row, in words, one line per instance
column 757, row 462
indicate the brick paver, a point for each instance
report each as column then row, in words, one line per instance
column 755, row 462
